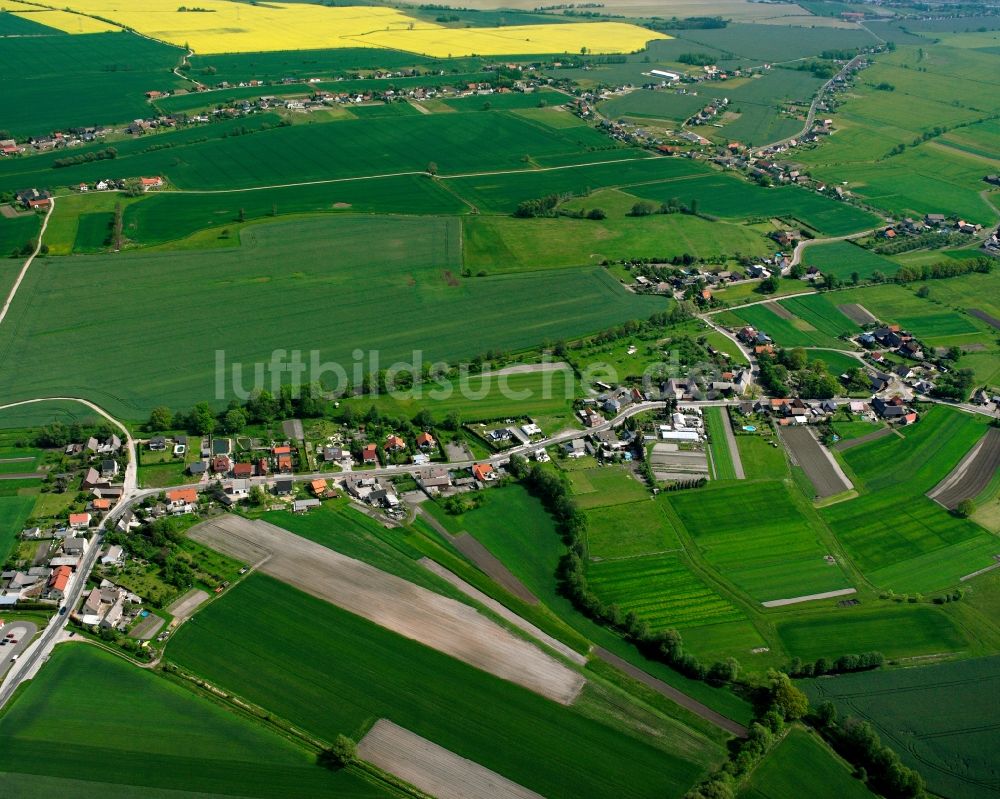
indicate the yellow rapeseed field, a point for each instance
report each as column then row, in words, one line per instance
column 60, row 20
column 219, row 26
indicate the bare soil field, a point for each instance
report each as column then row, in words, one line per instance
column 858, row 314
column 973, row 473
column 818, row 464
column 503, row 612
column 416, row 613
column 847, row 443
column 433, row 769
column 992, row 321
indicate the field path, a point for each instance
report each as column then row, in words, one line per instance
column 672, row 693
column 432, row 769
column 24, row 269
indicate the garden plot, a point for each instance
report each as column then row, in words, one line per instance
column 670, row 462
column 391, row 602
column 432, row 768
column 822, row 470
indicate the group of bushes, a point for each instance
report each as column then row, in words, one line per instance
column 876, row 764
column 106, row 154
column 842, row 665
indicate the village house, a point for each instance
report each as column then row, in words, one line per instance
column 425, row 441
column 79, row 521
column 484, row 472
column 394, row 444
column 369, row 454
column 58, row 583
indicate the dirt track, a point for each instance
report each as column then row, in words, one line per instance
column 436, row 621
column 432, row 769
column 818, row 464
column 973, row 473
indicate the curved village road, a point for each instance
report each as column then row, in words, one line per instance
column 24, row 269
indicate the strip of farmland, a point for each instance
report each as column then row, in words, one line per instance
column 819, row 466
column 432, row 768
column 391, row 602
column 992, row 321
column 973, row 473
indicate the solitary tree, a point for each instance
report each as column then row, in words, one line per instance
column 161, row 418
column 432, row 168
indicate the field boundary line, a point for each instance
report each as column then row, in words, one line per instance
column 27, row 263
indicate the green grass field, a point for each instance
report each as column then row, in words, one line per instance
column 843, row 259
column 786, row 332
column 501, row 193
column 662, row 591
column 935, row 717
column 802, row 764
column 169, row 216
column 758, row 537
column 357, row 672
column 934, row 84
column 14, row 511
column 506, row 244
column 606, row 485
column 722, row 458
column 893, row 630
column 895, row 535
column 14, row 234
column 86, row 79
column 624, row 531
column 731, row 197
column 291, row 294
column 197, row 158
column 184, row 742
column 761, row 460
column 822, row 313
